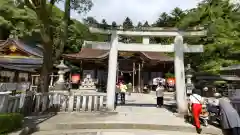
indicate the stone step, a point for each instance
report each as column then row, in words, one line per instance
column 133, row 126
column 111, row 132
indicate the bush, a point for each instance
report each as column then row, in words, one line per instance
column 10, row 122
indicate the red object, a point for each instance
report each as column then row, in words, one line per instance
column 171, row 81
column 196, row 109
column 75, row 78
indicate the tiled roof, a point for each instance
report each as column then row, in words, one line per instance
column 157, row 56
column 1, row 42
column 233, row 67
column 89, row 53
column 36, row 51
column 230, row 77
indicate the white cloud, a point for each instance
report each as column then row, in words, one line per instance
column 137, row 10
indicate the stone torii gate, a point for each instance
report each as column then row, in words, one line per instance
column 178, row 47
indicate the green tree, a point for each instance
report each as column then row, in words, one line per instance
column 163, row 20
column 139, row 25
column 53, row 37
column 104, row 24
column 114, row 25
column 146, row 24
column 16, row 22
column 91, row 21
column 220, row 19
column 127, row 24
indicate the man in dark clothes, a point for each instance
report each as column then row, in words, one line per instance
column 230, row 120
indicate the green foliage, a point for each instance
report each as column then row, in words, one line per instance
column 127, row 24
column 221, row 45
column 219, row 83
column 16, row 22
column 10, row 122
column 220, row 19
column 169, row 75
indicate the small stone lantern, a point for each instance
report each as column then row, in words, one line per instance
column 60, row 83
column 189, row 84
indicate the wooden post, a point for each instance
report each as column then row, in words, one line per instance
column 51, row 80
column 133, row 75
column 139, row 77
column 117, row 72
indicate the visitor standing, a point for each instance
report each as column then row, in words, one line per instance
column 196, row 102
column 117, row 94
column 123, row 90
column 160, row 94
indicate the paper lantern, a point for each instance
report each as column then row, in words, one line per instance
column 75, row 78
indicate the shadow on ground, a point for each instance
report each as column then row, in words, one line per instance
column 31, row 123
column 138, row 105
column 171, row 107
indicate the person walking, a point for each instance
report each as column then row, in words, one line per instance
column 159, row 94
column 123, row 90
column 196, row 102
column 230, row 120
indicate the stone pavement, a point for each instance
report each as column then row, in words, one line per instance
column 138, row 113
column 113, row 132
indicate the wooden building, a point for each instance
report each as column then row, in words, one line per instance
column 138, row 68
column 231, row 70
column 18, row 60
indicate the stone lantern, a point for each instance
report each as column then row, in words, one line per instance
column 189, row 84
column 60, row 83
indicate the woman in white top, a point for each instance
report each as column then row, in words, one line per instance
column 196, row 102
column 160, row 94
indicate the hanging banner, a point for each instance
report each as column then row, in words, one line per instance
column 75, row 78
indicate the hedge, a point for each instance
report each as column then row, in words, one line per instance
column 10, row 122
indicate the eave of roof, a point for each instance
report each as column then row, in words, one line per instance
column 233, row 67
column 23, row 47
column 89, row 53
column 29, row 68
column 16, row 60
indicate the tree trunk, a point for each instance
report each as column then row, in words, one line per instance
column 46, row 68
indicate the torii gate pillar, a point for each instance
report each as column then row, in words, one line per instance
column 180, row 74
column 112, row 71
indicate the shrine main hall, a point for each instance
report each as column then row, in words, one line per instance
column 137, row 68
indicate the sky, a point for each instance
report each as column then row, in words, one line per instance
column 136, row 10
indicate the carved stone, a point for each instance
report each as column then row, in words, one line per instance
column 88, row 83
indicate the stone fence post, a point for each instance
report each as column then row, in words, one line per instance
column 4, row 97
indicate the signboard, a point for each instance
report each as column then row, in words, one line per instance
column 75, row 78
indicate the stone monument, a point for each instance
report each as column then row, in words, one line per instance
column 88, row 83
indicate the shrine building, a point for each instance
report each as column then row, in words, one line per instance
column 137, row 68
column 18, row 61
